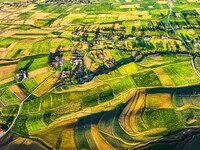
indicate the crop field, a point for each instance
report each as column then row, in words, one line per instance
column 148, row 78
column 181, row 73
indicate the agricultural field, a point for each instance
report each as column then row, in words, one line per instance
column 99, row 75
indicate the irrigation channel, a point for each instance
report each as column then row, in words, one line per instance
column 20, row 106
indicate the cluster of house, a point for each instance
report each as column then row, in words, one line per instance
column 77, row 59
column 55, row 59
column 110, row 63
column 22, row 75
column 98, row 55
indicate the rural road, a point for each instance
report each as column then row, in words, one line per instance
column 170, row 5
column 193, row 65
column 20, row 106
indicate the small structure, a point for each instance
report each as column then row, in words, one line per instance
column 110, row 63
column 177, row 15
column 76, row 59
column 134, row 54
column 197, row 45
column 147, row 38
column 131, row 37
column 22, row 75
column 164, row 37
column 55, row 59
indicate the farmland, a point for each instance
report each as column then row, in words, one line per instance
column 92, row 74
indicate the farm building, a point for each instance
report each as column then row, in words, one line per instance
column 76, row 59
column 22, row 75
column 55, row 59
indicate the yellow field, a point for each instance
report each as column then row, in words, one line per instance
column 7, row 80
column 37, row 72
column 23, row 144
column 102, row 145
column 39, row 15
column 17, row 91
column 7, row 70
column 68, row 141
column 46, row 86
column 42, row 77
column 130, row 6
column 162, row 100
column 133, row 114
column 164, row 77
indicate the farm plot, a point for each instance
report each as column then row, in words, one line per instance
column 146, row 79
column 124, row 119
column 30, row 84
column 164, row 78
column 80, row 138
column 105, row 93
column 38, row 72
column 121, row 84
column 190, row 117
column 90, row 98
column 6, row 81
column 182, row 73
column 17, row 91
column 99, row 140
column 68, row 138
column 6, row 42
column 46, row 86
column 128, row 69
column 34, row 123
column 7, row 70
column 159, row 100
column 19, row 48
column 32, row 64
column 8, row 98
column 161, row 118
column 41, row 47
